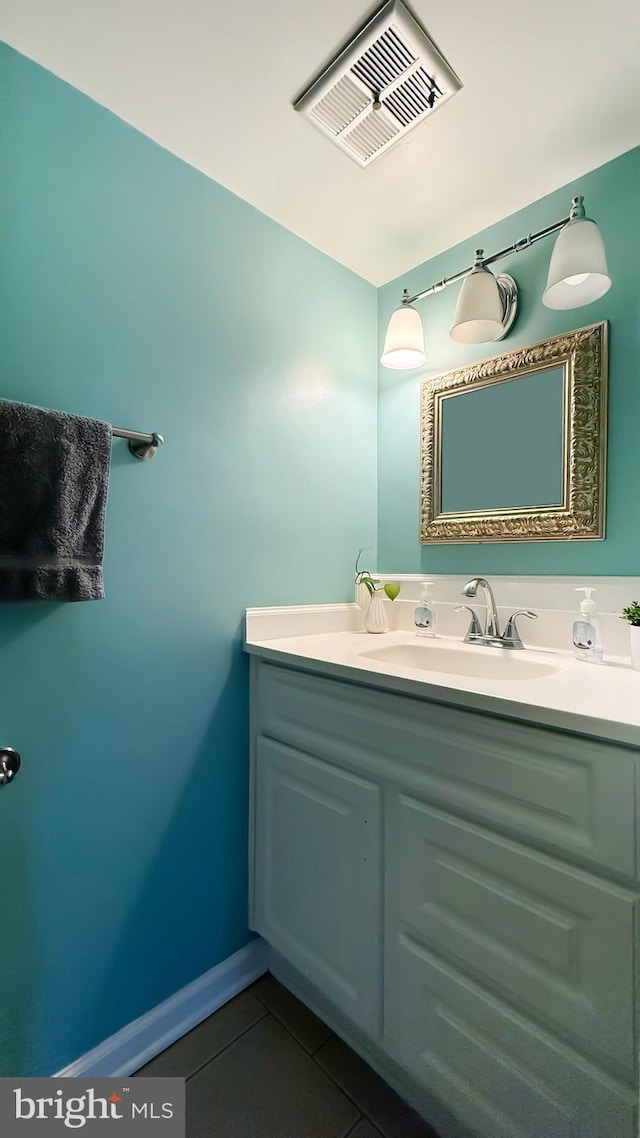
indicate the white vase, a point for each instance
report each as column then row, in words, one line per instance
column 375, row 617
column 634, row 636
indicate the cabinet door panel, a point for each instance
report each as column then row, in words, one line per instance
column 554, row 940
column 319, row 876
column 493, row 1069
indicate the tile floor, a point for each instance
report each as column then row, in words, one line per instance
column 264, row 1066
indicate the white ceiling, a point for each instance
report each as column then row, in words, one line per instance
column 551, row 90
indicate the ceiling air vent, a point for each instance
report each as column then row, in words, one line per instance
column 384, row 82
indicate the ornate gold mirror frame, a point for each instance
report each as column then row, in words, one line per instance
column 581, row 514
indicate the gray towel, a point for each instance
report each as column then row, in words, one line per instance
column 54, row 479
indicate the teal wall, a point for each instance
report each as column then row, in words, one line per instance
column 611, row 196
column 133, row 288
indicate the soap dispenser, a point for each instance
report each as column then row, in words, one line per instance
column 587, row 644
column 425, row 616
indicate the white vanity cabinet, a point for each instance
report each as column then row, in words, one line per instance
column 462, row 889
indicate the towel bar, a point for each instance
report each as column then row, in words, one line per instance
column 141, row 445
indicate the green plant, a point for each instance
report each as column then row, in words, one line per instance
column 364, row 577
column 632, row 614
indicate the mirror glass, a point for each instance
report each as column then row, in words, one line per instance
column 503, row 444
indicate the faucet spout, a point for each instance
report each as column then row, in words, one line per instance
column 492, row 624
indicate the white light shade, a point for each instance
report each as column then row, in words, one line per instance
column 578, row 270
column 404, row 341
column 478, row 315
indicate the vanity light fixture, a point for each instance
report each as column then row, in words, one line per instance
column 404, row 341
column 488, row 305
column 578, row 270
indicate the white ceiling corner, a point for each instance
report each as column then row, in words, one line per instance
column 550, row 91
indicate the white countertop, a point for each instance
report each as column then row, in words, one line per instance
column 601, row 700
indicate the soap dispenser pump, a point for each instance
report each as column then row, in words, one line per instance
column 587, row 644
column 425, row 616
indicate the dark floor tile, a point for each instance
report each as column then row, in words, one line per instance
column 372, row 1095
column 266, row 1086
column 310, row 1031
column 207, row 1039
column 364, row 1129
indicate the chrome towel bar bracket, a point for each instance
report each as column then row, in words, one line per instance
column 10, row 763
column 141, row 445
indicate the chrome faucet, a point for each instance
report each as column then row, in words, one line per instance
column 490, row 635
column 491, row 624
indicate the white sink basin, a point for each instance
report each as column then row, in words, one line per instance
column 477, row 662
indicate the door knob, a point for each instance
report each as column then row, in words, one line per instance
column 10, row 762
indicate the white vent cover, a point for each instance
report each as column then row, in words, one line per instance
column 388, row 79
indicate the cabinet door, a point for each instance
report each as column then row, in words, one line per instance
column 496, row 1071
column 318, row 876
column 554, row 941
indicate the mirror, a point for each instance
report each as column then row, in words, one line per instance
column 514, row 448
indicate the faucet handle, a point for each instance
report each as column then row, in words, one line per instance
column 511, row 636
column 475, row 628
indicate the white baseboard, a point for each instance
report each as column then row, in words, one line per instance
column 138, row 1042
